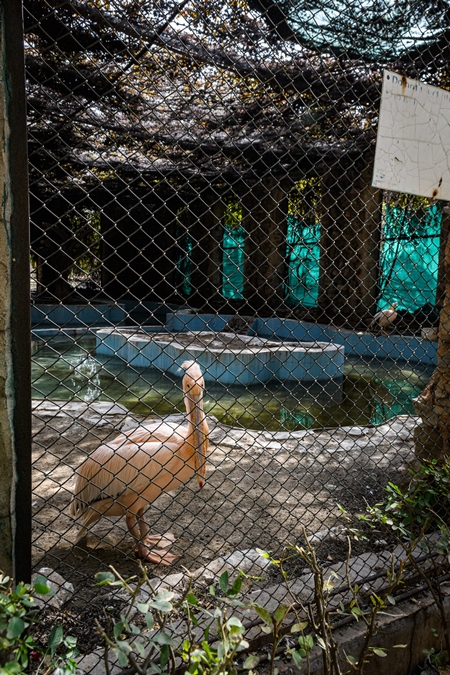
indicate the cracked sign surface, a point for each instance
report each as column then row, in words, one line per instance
column 413, row 141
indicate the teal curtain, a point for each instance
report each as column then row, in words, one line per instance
column 303, row 256
column 409, row 257
column 233, row 263
column 184, row 262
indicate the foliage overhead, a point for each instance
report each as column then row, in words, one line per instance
column 380, row 31
column 231, row 88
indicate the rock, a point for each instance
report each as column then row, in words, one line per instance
column 93, row 664
column 61, row 590
column 175, row 580
column 332, row 532
column 274, row 445
column 99, row 413
column 286, row 435
column 217, row 435
column 208, row 577
column 117, row 595
column 134, row 422
column 172, row 582
column 229, row 442
column 430, row 334
column 248, row 560
column 354, row 431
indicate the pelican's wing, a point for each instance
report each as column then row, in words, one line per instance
column 113, row 473
column 375, row 319
column 153, row 431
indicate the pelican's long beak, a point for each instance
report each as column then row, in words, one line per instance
column 200, row 441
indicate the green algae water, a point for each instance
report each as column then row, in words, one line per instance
column 67, row 368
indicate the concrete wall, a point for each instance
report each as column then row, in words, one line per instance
column 409, row 624
column 78, row 315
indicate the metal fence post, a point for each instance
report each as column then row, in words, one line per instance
column 15, row 424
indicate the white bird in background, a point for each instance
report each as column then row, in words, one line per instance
column 385, row 318
column 125, row 475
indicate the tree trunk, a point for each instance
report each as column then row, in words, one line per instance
column 53, row 263
column 432, row 437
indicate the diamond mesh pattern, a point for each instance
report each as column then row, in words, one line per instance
column 203, row 170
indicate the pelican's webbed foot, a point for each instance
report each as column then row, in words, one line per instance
column 155, row 549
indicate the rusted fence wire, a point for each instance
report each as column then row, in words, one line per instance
column 200, row 191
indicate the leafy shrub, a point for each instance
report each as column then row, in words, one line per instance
column 143, row 641
column 424, row 505
column 19, row 652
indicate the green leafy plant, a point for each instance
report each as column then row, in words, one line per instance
column 423, row 505
column 18, row 649
column 205, row 659
column 141, row 638
column 214, row 639
column 439, row 659
column 316, row 620
column 418, row 517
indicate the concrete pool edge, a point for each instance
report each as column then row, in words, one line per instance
column 409, row 349
column 255, row 360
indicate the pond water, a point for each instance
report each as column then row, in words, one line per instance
column 68, row 368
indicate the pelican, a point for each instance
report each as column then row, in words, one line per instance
column 125, row 475
column 385, row 317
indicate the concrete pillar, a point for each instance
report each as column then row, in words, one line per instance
column 206, row 230
column 15, row 394
column 265, row 210
column 351, row 222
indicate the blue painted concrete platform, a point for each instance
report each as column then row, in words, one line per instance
column 225, row 357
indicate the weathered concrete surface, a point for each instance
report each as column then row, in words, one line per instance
column 225, row 357
column 409, row 624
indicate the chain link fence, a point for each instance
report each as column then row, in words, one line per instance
column 200, row 190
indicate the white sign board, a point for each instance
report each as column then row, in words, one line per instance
column 413, row 142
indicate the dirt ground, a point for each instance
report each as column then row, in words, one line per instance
column 261, row 488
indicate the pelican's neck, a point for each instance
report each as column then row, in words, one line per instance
column 196, row 417
column 197, row 434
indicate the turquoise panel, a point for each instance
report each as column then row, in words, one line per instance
column 410, row 257
column 233, row 263
column 303, row 255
